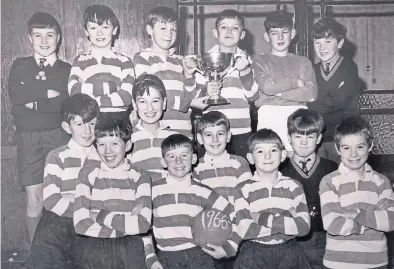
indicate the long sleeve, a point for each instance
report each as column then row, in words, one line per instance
column 53, row 199
column 334, row 220
column 150, row 253
column 250, row 86
column 132, row 224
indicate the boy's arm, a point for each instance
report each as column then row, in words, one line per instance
column 150, row 254
column 249, row 84
column 244, row 172
column 53, row 199
column 132, row 224
column 334, row 217
column 380, row 220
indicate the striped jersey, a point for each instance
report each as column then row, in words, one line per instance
column 109, row 80
column 273, row 203
column 180, row 91
column 146, row 153
column 60, row 176
column 111, row 195
column 223, row 173
column 239, row 90
column 175, row 204
column 355, row 227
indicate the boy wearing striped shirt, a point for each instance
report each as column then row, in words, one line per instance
column 102, row 73
column 149, row 100
column 113, row 203
column 357, row 203
column 55, row 232
column 177, row 199
column 277, row 205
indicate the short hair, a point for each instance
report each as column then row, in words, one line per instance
column 100, row 14
column 119, row 128
column 43, row 20
column 81, row 105
column 305, row 121
column 212, row 118
column 144, row 82
column 328, row 27
column 229, row 14
column 161, row 14
column 278, row 19
column 353, row 125
column 264, row 136
column 175, row 141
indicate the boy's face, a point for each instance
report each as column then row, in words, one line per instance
column 112, row 150
column 44, row 41
column 163, row 35
column 82, row 133
column 304, row 145
column 179, row 161
column 100, row 35
column 266, row 157
column 150, row 107
column 214, row 139
column 354, row 151
column 279, row 38
column 327, row 48
column 229, row 33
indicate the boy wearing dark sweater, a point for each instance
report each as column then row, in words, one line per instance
column 305, row 127
column 37, row 86
column 337, row 81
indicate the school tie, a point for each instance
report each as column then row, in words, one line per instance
column 41, row 74
column 303, row 166
column 327, row 69
column 42, row 61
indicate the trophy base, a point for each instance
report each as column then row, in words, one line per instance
column 217, row 101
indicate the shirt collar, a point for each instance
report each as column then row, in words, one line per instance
column 345, row 171
column 256, row 177
column 51, row 59
column 75, row 146
column 141, row 128
column 95, row 53
column 171, row 51
column 125, row 166
column 216, row 49
column 175, row 181
column 223, row 158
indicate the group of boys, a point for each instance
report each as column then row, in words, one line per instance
column 124, row 190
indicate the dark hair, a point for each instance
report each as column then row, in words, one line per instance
column 264, row 136
column 118, row 128
column 328, row 27
column 144, row 82
column 100, row 14
column 212, row 118
column 353, row 125
column 305, row 121
column 79, row 105
column 175, row 141
column 43, row 20
column 229, row 14
column 278, row 19
column 162, row 14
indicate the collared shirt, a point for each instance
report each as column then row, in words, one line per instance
column 51, row 59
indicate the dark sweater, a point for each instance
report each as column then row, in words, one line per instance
column 24, row 88
column 310, row 183
column 338, row 95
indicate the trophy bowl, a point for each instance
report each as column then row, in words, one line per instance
column 215, row 65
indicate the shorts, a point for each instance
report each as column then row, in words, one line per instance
column 192, row 258
column 275, row 118
column 32, row 150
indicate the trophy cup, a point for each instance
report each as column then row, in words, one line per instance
column 215, row 66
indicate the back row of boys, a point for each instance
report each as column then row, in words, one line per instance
column 286, row 81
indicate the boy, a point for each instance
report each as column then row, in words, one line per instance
column 160, row 59
column 37, row 86
column 238, row 85
column 102, row 73
column 55, row 233
column 218, row 169
column 286, row 81
column 113, row 203
column 305, row 166
column 149, row 100
column 357, row 203
column 278, row 207
column 177, row 199
column 337, row 80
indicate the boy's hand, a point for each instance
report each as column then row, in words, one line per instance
column 30, row 105
column 189, row 66
column 300, row 83
column 156, row 265
column 199, row 103
column 52, row 93
column 213, row 88
column 93, row 215
column 351, row 214
column 241, row 62
column 136, row 210
column 385, row 204
column 255, row 216
column 217, row 251
column 293, row 212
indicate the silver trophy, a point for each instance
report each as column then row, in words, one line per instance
column 215, row 66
